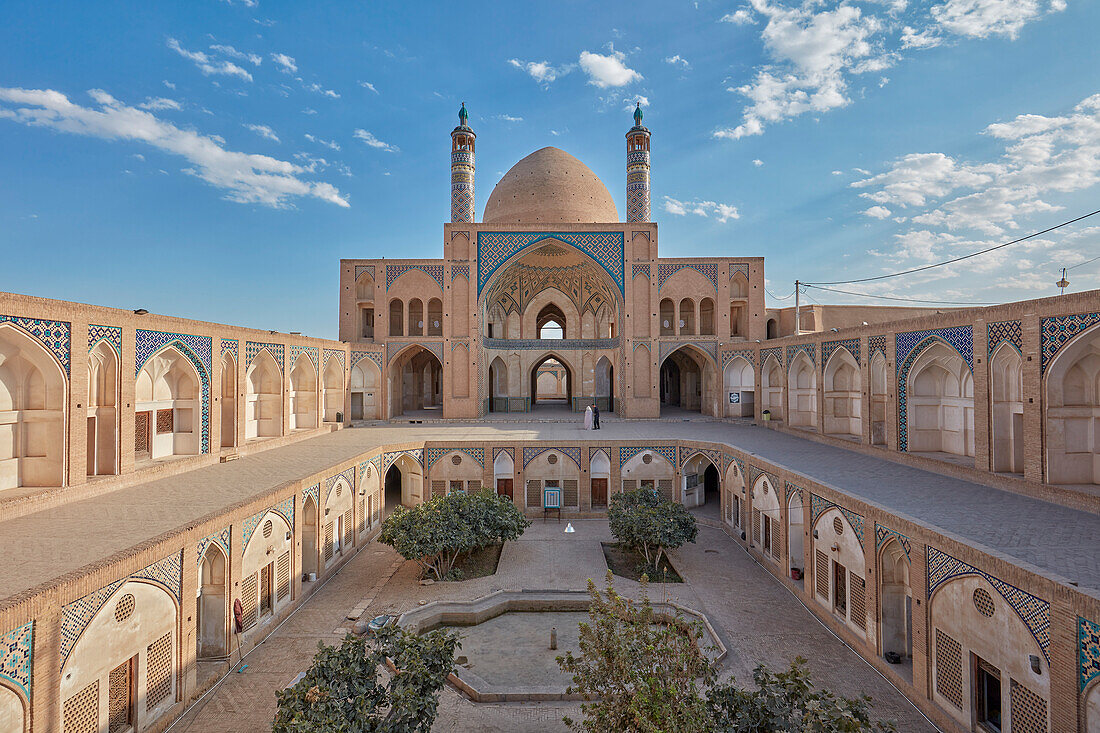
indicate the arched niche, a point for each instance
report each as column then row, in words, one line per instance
column 1007, row 409
column 13, row 710
column 337, row 520
column 310, row 548
column 1073, row 412
column 843, row 395
column 688, row 381
column 940, row 402
column 32, row 412
column 796, row 540
column 733, row 489
column 499, row 388
column 229, row 400
column 771, row 387
column 839, row 569
column 767, row 519
column 303, row 394
column 456, row 470
column 802, row 392
column 102, row 410
column 605, row 384
column 878, row 399
column 365, row 385
column 168, row 406
column 263, row 397
column 895, row 599
column 333, row 389
column 551, row 382
column 404, row 483
column 266, row 569
column 649, row 470
column 212, row 604
column 740, row 380
column 416, row 381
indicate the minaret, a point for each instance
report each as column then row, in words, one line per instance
column 462, row 169
column 637, row 170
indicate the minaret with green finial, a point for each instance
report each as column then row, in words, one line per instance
column 462, row 169
column 637, row 169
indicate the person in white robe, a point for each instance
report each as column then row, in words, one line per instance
column 588, row 418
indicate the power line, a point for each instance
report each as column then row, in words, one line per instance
column 1082, row 264
column 908, row 300
column 958, row 259
column 785, row 297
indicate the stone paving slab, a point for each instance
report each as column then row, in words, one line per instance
column 1051, row 539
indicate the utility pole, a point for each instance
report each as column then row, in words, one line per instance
column 797, row 317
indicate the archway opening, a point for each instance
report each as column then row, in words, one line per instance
column 550, row 322
column 1073, row 412
column 303, row 394
column 711, row 488
column 940, row 403
column 802, row 393
column 167, row 407
column 605, row 385
column 1007, row 416
column 682, row 383
column 264, row 398
column 771, row 388
column 498, row 386
column 334, row 391
column 393, row 489
column 551, row 385
column 740, row 388
column 364, row 390
column 102, row 414
column 843, row 393
column 417, row 384
column 773, row 329
column 796, row 551
column 309, row 539
column 229, row 401
column 878, row 399
column 211, row 604
column 896, row 601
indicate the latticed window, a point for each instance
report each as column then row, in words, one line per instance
column 249, row 597
column 821, row 573
column 665, row 487
column 777, row 539
column 570, row 493
column 266, row 590
column 164, row 421
column 349, row 525
column 329, row 550
column 141, row 432
column 81, row 713
column 457, row 486
column 629, row 484
column 756, row 526
column 120, row 697
column 158, row 677
column 949, row 669
column 1029, row 711
column 283, row 590
column 362, row 516
column 859, row 601
column 439, row 488
column 534, row 493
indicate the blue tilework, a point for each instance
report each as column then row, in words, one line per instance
column 347, row 474
column 284, row 508
column 736, row 267
column 747, row 354
column 819, row 505
column 375, row 356
column 388, row 458
column 1088, row 651
column 16, row 654
column 509, row 451
column 775, row 351
column 460, row 271
column 530, row 454
column 828, row 347
column 668, row 452
column 1057, row 332
column 56, row 336
column 110, row 334
column 310, row 351
column 909, row 347
column 495, row 248
column 252, row 349
column 876, row 343
column 477, row 454
column 223, row 538
column 360, row 269
column 230, row 346
column 337, row 354
column 636, row 270
column 714, row 456
column 315, row 492
column 1001, row 331
column 884, row 534
column 709, row 271
column 809, row 349
column 197, row 350
column 435, row 272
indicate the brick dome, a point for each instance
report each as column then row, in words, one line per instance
column 550, row 186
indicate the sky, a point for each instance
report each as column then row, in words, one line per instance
column 215, row 159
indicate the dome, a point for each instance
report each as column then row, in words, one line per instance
column 550, row 186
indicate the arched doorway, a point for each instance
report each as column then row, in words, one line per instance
column 229, row 401
column 504, row 471
column 796, row 550
column 896, row 600
column 773, row 329
column 1007, row 368
column 309, row 538
column 102, row 415
column 365, row 378
column 551, row 384
column 498, row 386
column 684, row 382
column 1073, row 412
column 416, row 383
column 211, row 603
column 393, row 490
column 605, row 385
column 600, row 471
column 550, row 322
column 940, row 407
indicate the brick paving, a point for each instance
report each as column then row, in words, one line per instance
column 760, row 622
column 1050, row 539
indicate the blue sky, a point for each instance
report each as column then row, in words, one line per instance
column 215, row 159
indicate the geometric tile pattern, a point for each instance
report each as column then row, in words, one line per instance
column 338, row 353
column 709, row 271
column 348, row 475
column 530, row 454
column 748, row 355
column 736, row 267
column 310, row 351
column 110, row 334
column 1057, row 332
column 76, row 616
column 909, row 347
column 828, row 347
column 230, row 346
column 636, row 270
column 222, row 539
column 1088, row 651
column 285, row 508
column 314, row 491
column 1033, row 611
column 714, row 456
column 460, row 271
column 253, row 348
column 197, row 350
column 416, row 454
column 494, row 248
column 56, row 336
column 809, row 349
column 395, row 347
column 668, row 452
column 478, row 454
column 498, row 451
column 876, row 343
column 792, row 492
column 375, row 356
column 1009, row 331
column 884, row 534
column 16, row 651
column 819, row 505
column 360, row 269
column 775, row 351
column 393, row 272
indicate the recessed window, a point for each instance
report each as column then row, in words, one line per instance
column 984, row 602
column 838, row 526
column 456, row 459
column 552, row 459
column 268, row 526
column 124, row 609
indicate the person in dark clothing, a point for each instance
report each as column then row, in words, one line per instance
column 595, row 417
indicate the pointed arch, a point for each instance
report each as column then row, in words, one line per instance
column 878, row 399
column 740, row 380
column 1006, row 369
column 229, row 400
column 734, row 489
column 802, row 392
column 771, row 387
column 895, row 599
column 13, row 709
column 843, row 394
column 416, row 381
column 1072, row 386
column 212, row 603
column 796, row 540
column 366, row 397
column 310, row 548
column 499, row 387
column 32, row 412
column 939, row 401
column 688, row 380
column 333, row 381
column 767, row 518
column 263, row 397
column 547, row 385
column 102, row 415
column 303, row 394
column 605, row 384
column 168, row 403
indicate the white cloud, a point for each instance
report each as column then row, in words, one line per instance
column 330, row 144
column 168, row 84
column 640, row 100
column 541, row 71
column 368, row 85
column 757, row 162
column 877, row 212
column 159, row 103
column 208, row 65
column 246, row 3
column 918, row 177
column 678, row 60
column 264, row 131
column 309, row 111
column 508, row 118
column 984, row 18
column 286, row 62
column 371, row 140
column 245, row 178
column 722, row 212
column 254, row 59
column 608, row 71
column 742, row 16
column 318, row 89
column 924, row 38
column 838, row 173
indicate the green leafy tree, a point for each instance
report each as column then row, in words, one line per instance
column 343, row 692
column 650, row 524
column 436, row 533
column 634, row 673
column 788, row 701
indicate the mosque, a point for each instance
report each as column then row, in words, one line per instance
column 925, row 482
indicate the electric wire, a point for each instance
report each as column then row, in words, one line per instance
column 959, row 259
column 1082, row 264
column 893, row 297
column 785, row 297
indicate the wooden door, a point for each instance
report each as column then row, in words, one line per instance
column 504, row 487
column 599, row 492
column 142, row 439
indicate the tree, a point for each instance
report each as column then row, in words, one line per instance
column 342, row 692
column 437, row 532
column 635, row 673
column 650, row 524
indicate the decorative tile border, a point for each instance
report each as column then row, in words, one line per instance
column 460, row 271
column 197, row 350
column 710, row 348
column 727, row 459
column 56, row 336
column 742, row 267
column 819, row 505
column 668, row 452
column 775, row 351
column 809, row 350
column 747, row 354
column 885, row 534
column 495, row 248
column 709, row 271
column 435, row 272
column 713, row 456
column 222, row 538
column 1088, row 651
column 375, row 356
column 849, row 345
column 1057, row 332
column 285, row 508
column 310, row 351
column 16, row 654
column 393, row 347
column 529, row 454
column 360, row 269
column 477, row 454
column 592, row 451
column 636, row 270
column 347, row 474
column 876, row 343
column 230, row 346
column 111, row 334
column 76, row 616
column 315, row 492
column 252, row 349
column 1033, row 611
column 337, row 354
column 793, row 490
column 549, row 344
column 1001, row 331
column 416, row 454
column 909, row 347
column 509, row 451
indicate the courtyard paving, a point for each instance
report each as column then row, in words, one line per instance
column 758, row 619
column 1050, row 539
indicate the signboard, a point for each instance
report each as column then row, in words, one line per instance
column 551, row 498
column 735, row 398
